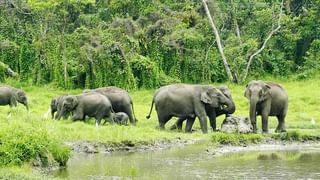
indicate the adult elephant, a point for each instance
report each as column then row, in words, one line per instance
column 88, row 104
column 267, row 99
column 187, row 101
column 219, row 111
column 120, row 100
column 10, row 96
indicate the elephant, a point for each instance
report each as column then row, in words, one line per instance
column 219, row 111
column 187, row 101
column 55, row 106
column 121, row 118
column 120, row 100
column 267, row 99
column 88, row 104
column 10, row 96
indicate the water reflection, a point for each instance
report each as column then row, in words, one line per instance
column 193, row 162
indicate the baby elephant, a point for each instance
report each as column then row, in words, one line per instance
column 121, row 118
column 56, row 105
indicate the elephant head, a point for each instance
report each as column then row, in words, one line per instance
column 256, row 92
column 227, row 93
column 215, row 99
column 22, row 98
column 68, row 104
column 53, row 107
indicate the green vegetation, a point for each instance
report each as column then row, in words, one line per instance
column 145, row 44
column 22, row 142
column 22, row 173
column 236, row 139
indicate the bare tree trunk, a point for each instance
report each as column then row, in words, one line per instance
column 218, row 40
column 235, row 22
column 264, row 43
column 64, row 58
column 287, row 6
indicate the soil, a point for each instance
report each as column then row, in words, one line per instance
column 266, row 145
column 97, row 147
column 218, row 150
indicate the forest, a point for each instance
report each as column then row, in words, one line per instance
column 146, row 43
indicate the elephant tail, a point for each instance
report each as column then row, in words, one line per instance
column 134, row 115
column 149, row 115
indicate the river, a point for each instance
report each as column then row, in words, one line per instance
column 194, row 162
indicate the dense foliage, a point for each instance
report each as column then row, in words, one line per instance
column 145, row 43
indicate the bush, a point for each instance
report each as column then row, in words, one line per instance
column 23, row 142
column 145, row 72
column 236, row 139
column 295, row 136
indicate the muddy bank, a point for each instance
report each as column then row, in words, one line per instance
column 214, row 149
column 265, row 145
column 127, row 146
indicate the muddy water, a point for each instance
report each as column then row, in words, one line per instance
column 194, row 162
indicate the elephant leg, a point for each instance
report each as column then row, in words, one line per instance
column 190, row 122
column 178, row 124
column 212, row 118
column 98, row 120
column 78, row 115
column 128, row 111
column 163, row 119
column 281, row 125
column 264, row 123
column 202, row 115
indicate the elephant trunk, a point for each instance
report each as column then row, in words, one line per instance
column 26, row 105
column 252, row 114
column 231, row 108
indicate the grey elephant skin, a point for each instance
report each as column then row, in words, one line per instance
column 219, row 111
column 121, row 118
column 56, row 105
column 267, row 99
column 187, row 101
column 88, row 104
column 233, row 124
column 120, row 100
column 10, row 96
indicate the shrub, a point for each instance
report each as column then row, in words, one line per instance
column 23, row 142
column 236, row 139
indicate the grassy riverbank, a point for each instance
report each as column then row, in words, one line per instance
column 32, row 132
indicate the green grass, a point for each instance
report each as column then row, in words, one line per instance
column 29, row 130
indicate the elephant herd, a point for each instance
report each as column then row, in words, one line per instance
column 184, row 101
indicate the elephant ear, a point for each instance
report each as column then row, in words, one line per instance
column 205, row 98
column 247, row 93
column 265, row 92
column 74, row 102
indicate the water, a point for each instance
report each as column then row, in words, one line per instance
column 193, row 162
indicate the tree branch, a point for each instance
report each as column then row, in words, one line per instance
column 218, row 40
column 264, row 43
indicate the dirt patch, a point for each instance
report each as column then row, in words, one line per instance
column 127, row 146
column 266, row 145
